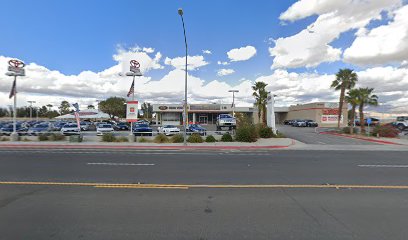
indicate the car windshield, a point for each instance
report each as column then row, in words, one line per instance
column 169, row 126
column 70, row 125
column 141, row 125
column 105, row 126
column 41, row 126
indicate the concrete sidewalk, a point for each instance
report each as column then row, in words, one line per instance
column 261, row 143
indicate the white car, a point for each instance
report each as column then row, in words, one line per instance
column 168, row 130
column 70, row 129
column 104, row 128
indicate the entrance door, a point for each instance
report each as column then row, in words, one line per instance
column 203, row 119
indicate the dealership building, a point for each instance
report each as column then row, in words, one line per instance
column 324, row 113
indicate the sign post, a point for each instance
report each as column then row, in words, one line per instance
column 15, row 69
column 368, row 123
column 131, row 107
column 270, row 120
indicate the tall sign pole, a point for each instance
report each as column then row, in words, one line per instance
column 15, row 69
column 185, row 114
column 233, row 101
column 131, row 107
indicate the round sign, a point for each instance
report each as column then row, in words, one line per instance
column 16, row 63
column 163, row 108
column 134, row 63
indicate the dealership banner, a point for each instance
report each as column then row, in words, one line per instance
column 131, row 111
column 331, row 119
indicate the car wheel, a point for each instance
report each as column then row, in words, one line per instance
column 401, row 127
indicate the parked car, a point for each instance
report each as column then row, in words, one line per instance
column 311, row 123
column 85, row 126
column 143, row 121
column 58, row 126
column 39, row 129
column 104, row 128
column 196, row 128
column 287, row 122
column 70, row 129
column 300, row 123
column 226, row 120
column 374, row 122
column 122, row 126
column 402, row 123
column 7, row 129
column 142, row 129
column 168, row 130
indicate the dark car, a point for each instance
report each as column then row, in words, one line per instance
column 374, row 122
column 196, row 128
column 287, row 122
column 39, row 128
column 8, row 129
column 311, row 123
column 58, row 126
column 121, row 126
column 142, row 130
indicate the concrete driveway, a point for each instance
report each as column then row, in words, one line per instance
column 309, row 136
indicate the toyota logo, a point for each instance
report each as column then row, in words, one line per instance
column 16, row 63
column 135, row 64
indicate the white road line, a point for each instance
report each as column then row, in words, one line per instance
column 123, row 164
column 384, row 166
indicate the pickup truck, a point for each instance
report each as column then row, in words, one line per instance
column 402, row 123
column 226, row 121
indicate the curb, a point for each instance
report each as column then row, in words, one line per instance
column 55, row 146
column 363, row 138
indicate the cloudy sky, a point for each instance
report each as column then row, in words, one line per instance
column 77, row 50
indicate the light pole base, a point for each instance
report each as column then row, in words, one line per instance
column 14, row 137
column 131, row 138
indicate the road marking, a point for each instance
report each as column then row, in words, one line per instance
column 198, row 186
column 123, row 164
column 321, row 142
column 384, row 166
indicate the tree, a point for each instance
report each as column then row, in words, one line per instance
column 353, row 99
column 23, row 112
column 64, row 107
column 261, row 98
column 114, row 106
column 147, row 109
column 42, row 112
column 345, row 80
column 4, row 112
column 91, row 106
column 365, row 97
column 49, row 107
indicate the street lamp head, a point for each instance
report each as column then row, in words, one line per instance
column 233, row 91
column 180, row 11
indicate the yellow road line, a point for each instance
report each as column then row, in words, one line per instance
column 188, row 186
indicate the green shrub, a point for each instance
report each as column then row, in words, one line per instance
column 279, row 135
column 195, row 138
column 226, row 137
column 26, row 140
column 3, row 139
column 347, row 130
column 246, row 133
column 210, row 138
column 56, row 137
column 265, row 132
column 122, row 139
column 385, row 131
column 43, row 137
column 143, row 140
column 108, row 137
column 161, row 138
column 178, row 138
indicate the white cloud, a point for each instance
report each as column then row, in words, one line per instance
column 193, row 62
column 241, row 54
column 311, row 46
column 225, row 72
column 223, row 63
column 207, row 52
column 148, row 50
column 383, row 44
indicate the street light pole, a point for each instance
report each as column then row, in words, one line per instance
column 185, row 116
column 233, row 101
column 31, row 109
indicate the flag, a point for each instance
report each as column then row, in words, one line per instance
column 13, row 89
column 76, row 113
column 132, row 89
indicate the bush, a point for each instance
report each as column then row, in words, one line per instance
column 26, row 140
column 195, row 138
column 161, row 138
column 122, row 139
column 279, row 135
column 42, row 137
column 143, row 140
column 178, row 138
column 385, row 131
column 210, row 139
column 246, row 133
column 108, row 137
column 265, row 132
column 56, row 137
column 347, row 130
column 3, row 139
column 226, row 137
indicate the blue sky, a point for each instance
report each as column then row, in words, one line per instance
column 299, row 45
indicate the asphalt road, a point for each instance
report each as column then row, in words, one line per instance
column 309, row 136
column 64, row 194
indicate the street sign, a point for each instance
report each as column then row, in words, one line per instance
column 369, row 121
column 131, row 111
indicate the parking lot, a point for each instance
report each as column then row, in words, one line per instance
column 308, row 135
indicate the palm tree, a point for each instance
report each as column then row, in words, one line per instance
column 365, row 97
column 345, row 80
column 353, row 99
column 261, row 96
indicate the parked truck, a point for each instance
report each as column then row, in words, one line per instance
column 226, row 121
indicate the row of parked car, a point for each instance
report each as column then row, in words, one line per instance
column 301, row 123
